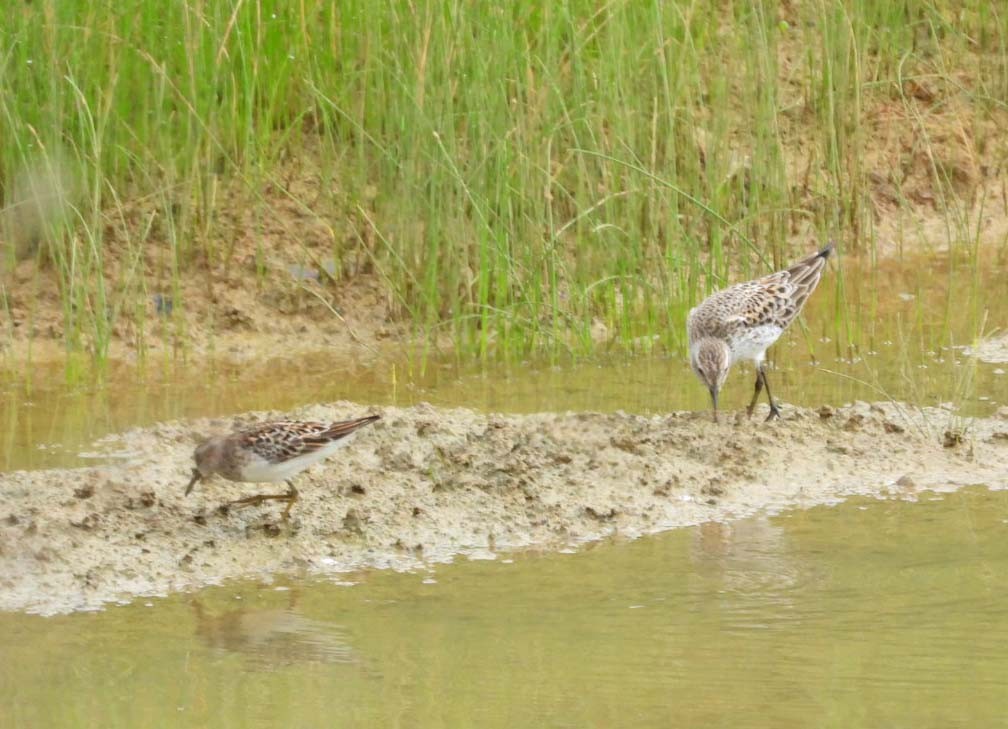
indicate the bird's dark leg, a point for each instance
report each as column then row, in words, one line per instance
column 774, row 410
column 756, row 391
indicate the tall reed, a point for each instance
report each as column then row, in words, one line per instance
column 530, row 178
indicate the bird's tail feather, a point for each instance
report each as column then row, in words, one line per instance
column 344, row 428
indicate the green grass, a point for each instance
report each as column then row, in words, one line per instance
column 519, row 175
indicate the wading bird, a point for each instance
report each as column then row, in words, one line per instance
column 271, row 452
column 742, row 321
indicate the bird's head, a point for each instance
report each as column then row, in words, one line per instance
column 711, row 360
column 207, row 457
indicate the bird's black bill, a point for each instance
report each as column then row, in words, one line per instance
column 713, row 397
column 196, row 476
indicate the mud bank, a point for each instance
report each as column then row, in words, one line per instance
column 424, row 484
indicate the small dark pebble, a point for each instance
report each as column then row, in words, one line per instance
column 200, row 519
column 84, row 492
column 357, row 489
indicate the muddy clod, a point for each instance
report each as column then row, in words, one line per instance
column 84, row 492
column 854, row 422
column 600, row 514
column 712, row 490
column 352, row 522
column 271, row 530
column 89, row 522
column 952, row 438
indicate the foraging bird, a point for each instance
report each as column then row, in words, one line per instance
column 269, row 452
column 743, row 320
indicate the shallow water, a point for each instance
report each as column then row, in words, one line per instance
column 867, row 614
column 912, row 318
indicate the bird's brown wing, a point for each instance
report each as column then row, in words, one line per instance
column 286, row 439
column 282, row 440
column 784, row 293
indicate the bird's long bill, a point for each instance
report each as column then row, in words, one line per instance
column 196, row 476
column 713, row 397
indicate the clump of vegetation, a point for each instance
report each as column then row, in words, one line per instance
column 521, row 177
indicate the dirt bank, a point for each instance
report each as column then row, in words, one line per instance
column 426, row 483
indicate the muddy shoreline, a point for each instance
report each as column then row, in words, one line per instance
column 426, row 483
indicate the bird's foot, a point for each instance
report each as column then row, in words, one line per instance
column 285, row 516
column 292, row 496
column 257, row 499
column 774, row 413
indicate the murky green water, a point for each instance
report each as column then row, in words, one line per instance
column 868, row 614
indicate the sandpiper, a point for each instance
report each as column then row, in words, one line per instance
column 743, row 320
column 270, row 452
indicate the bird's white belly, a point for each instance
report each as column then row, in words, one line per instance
column 259, row 470
column 752, row 343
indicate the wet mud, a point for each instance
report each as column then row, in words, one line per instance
column 426, row 484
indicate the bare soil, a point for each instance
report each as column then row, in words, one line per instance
column 424, row 484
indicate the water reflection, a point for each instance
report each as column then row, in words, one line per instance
column 273, row 638
column 750, row 557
